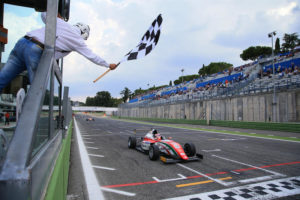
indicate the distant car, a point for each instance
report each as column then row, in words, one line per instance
column 169, row 151
column 90, row 119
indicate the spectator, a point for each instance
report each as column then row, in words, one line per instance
column 6, row 118
column 28, row 50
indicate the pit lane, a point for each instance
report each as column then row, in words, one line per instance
column 229, row 161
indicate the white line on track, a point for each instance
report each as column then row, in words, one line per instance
column 100, row 167
column 91, row 147
column 269, row 171
column 255, row 180
column 93, row 187
column 215, row 180
column 87, row 138
column 213, row 150
column 173, row 179
column 118, row 191
column 96, row 155
column 89, row 142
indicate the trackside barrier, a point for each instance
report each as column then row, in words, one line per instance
column 58, row 185
column 288, row 127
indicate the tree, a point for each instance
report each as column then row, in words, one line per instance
column 186, row 78
column 214, row 67
column 89, row 101
column 126, row 94
column 277, row 46
column 290, row 42
column 102, row 98
column 252, row 53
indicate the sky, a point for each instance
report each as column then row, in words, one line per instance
column 193, row 33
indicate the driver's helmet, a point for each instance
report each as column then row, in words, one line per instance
column 154, row 132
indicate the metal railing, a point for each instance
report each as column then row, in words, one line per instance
column 30, row 157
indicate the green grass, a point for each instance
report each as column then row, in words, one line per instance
column 248, row 125
column 58, row 185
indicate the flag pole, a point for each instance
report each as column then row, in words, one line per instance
column 104, row 73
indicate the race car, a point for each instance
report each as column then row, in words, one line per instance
column 90, row 119
column 158, row 146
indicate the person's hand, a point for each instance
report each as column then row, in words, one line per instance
column 112, row 66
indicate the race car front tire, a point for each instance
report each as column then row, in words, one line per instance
column 153, row 152
column 189, row 149
column 131, row 142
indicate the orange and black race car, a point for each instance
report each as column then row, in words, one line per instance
column 90, row 119
column 169, row 151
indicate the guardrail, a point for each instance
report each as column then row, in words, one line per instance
column 29, row 161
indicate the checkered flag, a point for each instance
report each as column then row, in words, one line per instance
column 147, row 43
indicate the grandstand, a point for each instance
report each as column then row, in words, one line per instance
column 244, row 78
column 255, row 78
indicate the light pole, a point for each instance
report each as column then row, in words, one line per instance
column 182, row 70
column 270, row 35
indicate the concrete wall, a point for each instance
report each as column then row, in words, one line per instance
column 252, row 108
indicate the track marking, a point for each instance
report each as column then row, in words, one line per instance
column 199, row 176
column 92, row 184
column 89, row 142
column 92, row 148
column 95, row 155
column 173, row 179
column 213, row 150
column 255, row 180
column 266, row 190
column 87, row 138
column 100, row 167
column 208, row 177
column 117, row 191
column 234, row 161
column 202, row 182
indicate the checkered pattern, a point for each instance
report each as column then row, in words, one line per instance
column 147, row 43
column 266, row 190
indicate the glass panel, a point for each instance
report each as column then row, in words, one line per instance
column 56, row 106
column 42, row 134
column 7, row 121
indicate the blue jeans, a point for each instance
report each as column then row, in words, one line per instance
column 24, row 56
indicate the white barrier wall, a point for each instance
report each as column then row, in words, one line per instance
column 254, row 107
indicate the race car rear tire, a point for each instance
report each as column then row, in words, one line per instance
column 153, row 152
column 189, row 149
column 131, row 142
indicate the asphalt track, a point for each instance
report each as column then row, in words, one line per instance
column 234, row 166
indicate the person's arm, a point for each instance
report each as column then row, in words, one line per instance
column 89, row 54
column 74, row 42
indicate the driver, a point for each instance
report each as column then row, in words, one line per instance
column 155, row 134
